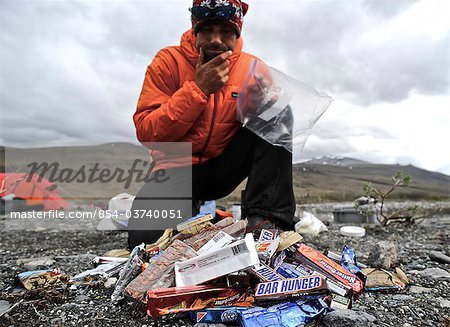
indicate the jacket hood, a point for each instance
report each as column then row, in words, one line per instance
column 188, row 48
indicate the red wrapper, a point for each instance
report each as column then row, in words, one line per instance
column 163, row 301
column 328, row 267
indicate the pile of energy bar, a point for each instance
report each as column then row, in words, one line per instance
column 212, row 271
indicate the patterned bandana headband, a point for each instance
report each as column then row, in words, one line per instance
column 230, row 11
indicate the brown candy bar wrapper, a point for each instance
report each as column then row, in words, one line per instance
column 379, row 278
column 288, row 239
column 194, row 224
column 179, row 299
column 160, row 273
column 237, row 229
column 39, row 278
column 163, row 242
column 196, row 229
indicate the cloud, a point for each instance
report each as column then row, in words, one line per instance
column 409, row 132
column 365, row 52
column 407, row 160
column 387, row 9
column 62, row 84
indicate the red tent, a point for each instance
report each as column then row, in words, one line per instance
column 34, row 190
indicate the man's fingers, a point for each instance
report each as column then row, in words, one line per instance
column 212, row 75
column 224, row 65
column 201, row 57
column 224, row 72
column 216, row 61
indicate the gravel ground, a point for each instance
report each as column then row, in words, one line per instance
column 424, row 303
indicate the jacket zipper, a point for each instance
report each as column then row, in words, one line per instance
column 208, row 139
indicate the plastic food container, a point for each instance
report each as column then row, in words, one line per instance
column 353, row 231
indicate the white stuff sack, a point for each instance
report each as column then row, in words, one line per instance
column 309, row 224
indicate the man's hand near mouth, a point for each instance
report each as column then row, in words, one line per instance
column 212, row 75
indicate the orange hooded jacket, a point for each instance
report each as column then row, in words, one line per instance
column 172, row 108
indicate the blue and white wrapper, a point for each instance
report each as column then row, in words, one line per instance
column 289, row 314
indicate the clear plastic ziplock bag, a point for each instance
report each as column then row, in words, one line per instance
column 279, row 108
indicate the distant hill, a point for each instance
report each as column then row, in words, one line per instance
column 317, row 180
column 330, row 179
column 338, row 182
column 334, row 161
column 113, row 157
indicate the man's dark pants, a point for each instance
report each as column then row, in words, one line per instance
column 268, row 193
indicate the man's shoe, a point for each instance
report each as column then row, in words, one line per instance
column 256, row 224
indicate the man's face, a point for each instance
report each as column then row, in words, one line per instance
column 215, row 38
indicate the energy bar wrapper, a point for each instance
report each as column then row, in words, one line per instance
column 236, row 256
column 32, row 279
column 265, row 273
column 217, row 315
column 288, row 271
column 348, row 261
column 290, row 314
column 160, row 273
column 195, row 224
column 328, row 267
column 165, row 301
column 217, row 242
column 332, row 284
column 340, row 302
column 267, row 235
column 290, row 287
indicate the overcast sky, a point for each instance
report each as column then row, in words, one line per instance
column 71, row 71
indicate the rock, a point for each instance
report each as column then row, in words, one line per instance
column 34, row 263
column 67, row 306
column 348, row 318
column 82, row 298
column 439, row 257
column 444, row 303
column 110, row 282
column 369, row 299
column 419, row 290
column 416, row 266
column 4, row 306
column 402, row 297
column 384, row 255
column 435, row 273
column 391, row 303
